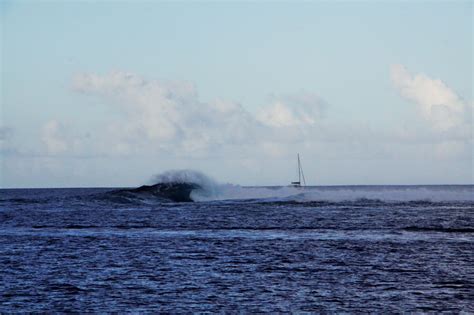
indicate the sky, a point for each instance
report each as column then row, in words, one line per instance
column 109, row 93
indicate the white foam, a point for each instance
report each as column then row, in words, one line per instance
column 211, row 190
column 209, row 186
column 337, row 194
column 236, row 192
column 393, row 193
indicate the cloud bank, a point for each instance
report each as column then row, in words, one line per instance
column 154, row 125
column 167, row 125
column 171, row 116
column 304, row 109
column 159, row 117
column 54, row 138
column 437, row 103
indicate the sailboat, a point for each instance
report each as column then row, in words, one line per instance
column 300, row 175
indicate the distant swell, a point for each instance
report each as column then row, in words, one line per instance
column 252, row 228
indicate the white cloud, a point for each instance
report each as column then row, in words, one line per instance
column 169, row 113
column 163, row 120
column 300, row 110
column 437, row 103
column 166, row 117
column 157, row 125
column 52, row 135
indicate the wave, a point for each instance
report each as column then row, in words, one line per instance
column 188, row 185
column 179, row 192
column 341, row 193
column 202, row 182
column 156, row 227
column 174, row 186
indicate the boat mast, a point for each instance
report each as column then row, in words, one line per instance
column 300, row 172
column 299, row 169
column 302, row 175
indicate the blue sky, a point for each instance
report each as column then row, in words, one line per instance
column 367, row 92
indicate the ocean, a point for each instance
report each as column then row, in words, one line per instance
column 238, row 249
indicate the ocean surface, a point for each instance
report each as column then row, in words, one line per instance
column 251, row 249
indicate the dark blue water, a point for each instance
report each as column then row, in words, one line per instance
column 344, row 249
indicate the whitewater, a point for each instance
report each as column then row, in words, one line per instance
column 211, row 190
column 237, row 249
column 434, row 193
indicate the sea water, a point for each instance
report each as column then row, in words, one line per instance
column 252, row 249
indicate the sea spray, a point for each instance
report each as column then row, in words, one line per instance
column 237, row 192
column 208, row 188
column 441, row 193
column 212, row 190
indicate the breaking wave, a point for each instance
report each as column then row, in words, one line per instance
column 189, row 185
column 211, row 190
column 185, row 177
column 344, row 193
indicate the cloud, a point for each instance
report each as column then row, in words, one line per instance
column 53, row 137
column 438, row 103
column 298, row 110
column 169, row 116
column 169, row 112
column 156, row 110
column 156, row 125
column 168, row 119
